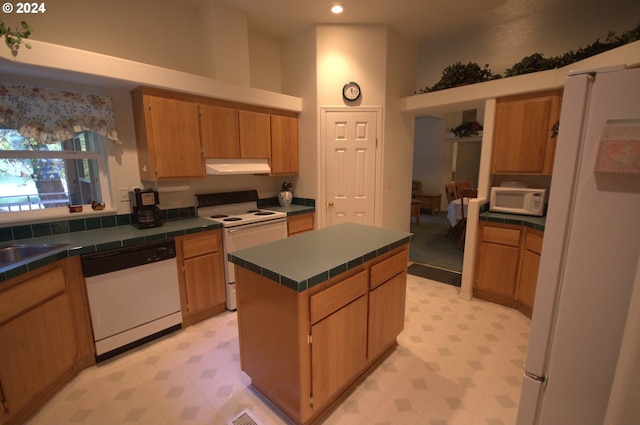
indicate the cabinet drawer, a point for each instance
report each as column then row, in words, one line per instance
column 200, row 246
column 331, row 299
column 300, row 223
column 501, row 235
column 30, row 293
column 533, row 242
column 388, row 268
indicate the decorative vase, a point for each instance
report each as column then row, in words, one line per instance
column 285, row 198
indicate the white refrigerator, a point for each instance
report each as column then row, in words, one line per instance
column 589, row 262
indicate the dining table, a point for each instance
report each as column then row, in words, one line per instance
column 454, row 211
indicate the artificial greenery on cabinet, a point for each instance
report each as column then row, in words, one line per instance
column 460, row 74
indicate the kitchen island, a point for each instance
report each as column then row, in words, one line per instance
column 317, row 311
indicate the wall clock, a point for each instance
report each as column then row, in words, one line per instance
column 351, row 91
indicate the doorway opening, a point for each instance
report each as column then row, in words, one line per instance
column 440, row 158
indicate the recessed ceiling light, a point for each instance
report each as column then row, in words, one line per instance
column 337, row 9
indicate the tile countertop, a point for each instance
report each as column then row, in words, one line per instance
column 517, row 219
column 305, row 260
column 77, row 243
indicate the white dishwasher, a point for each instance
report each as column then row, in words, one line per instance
column 133, row 295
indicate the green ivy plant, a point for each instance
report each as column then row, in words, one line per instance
column 13, row 37
column 467, row 129
column 459, row 74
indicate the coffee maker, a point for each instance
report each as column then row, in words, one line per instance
column 144, row 208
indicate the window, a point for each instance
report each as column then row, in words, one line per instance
column 39, row 176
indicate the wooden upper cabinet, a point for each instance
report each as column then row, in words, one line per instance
column 255, row 134
column 523, row 140
column 168, row 138
column 284, row 145
column 176, row 131
column 220, row 132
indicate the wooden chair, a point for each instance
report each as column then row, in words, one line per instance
column 450, row 191
column 460, row 186
column 465, row 193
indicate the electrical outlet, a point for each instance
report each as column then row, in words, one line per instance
column 124, row 194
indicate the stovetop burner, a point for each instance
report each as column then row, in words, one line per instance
column 232, row 209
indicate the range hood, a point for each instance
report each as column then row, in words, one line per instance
column 237, row 166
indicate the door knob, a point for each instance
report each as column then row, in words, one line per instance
column 331, row 203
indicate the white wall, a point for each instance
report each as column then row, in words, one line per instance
column 159, row 32
column 299, row 78
column 398, row 134
column 514, row 36
column 265, row 63
column 429, row 155
column 382, row 63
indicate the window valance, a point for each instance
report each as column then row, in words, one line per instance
column 52, row 116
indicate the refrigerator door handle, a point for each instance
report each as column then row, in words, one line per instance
column 534, row 377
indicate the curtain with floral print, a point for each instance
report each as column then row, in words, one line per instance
column 52, row 116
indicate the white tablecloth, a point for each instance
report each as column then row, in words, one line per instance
column 453, row 211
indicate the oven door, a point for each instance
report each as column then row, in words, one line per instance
column 249, row 235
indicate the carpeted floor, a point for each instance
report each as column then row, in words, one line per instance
column 431, row 246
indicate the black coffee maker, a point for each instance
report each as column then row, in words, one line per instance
column 144, row 208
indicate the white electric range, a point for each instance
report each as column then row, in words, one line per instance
column 244, row 225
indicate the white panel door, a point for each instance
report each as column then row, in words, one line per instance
column 351, row 166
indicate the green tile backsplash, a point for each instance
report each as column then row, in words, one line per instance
column 28, row 231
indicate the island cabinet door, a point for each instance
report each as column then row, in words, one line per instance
column 386, row 314
column 338, row 351
column 338, row 337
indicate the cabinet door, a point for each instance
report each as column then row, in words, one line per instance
column 523, row 142
column 284, row 145
column 174, row 141
column 255, row 134
column 529, row 271
column 37, row 348
column 497, row 264
column 204, row 286
column 386, row 314
column 220, row 132
column 338, row 351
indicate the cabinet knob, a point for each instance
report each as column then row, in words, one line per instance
column 331, row 203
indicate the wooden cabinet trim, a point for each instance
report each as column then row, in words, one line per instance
column 501, row 235
column 337, row 296
column 386, row 269
column 35, row 291
column 300, row 223
column 533, row 241
column 204, row 100
column 201, row 245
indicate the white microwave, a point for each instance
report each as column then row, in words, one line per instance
column 516, row 200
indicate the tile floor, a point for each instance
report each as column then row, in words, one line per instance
column 457, row 362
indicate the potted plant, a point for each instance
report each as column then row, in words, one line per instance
column 285, row 196
column 467, row 129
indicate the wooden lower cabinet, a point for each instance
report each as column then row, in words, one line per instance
column 300, row 223
column 45, row 337
column 319, row 343
column 201, row 275
column 507, row 263
column 529, row 270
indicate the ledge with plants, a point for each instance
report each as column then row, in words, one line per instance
column 460, row 74
column 13, row 37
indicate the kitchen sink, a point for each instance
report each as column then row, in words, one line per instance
column 14, row 253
